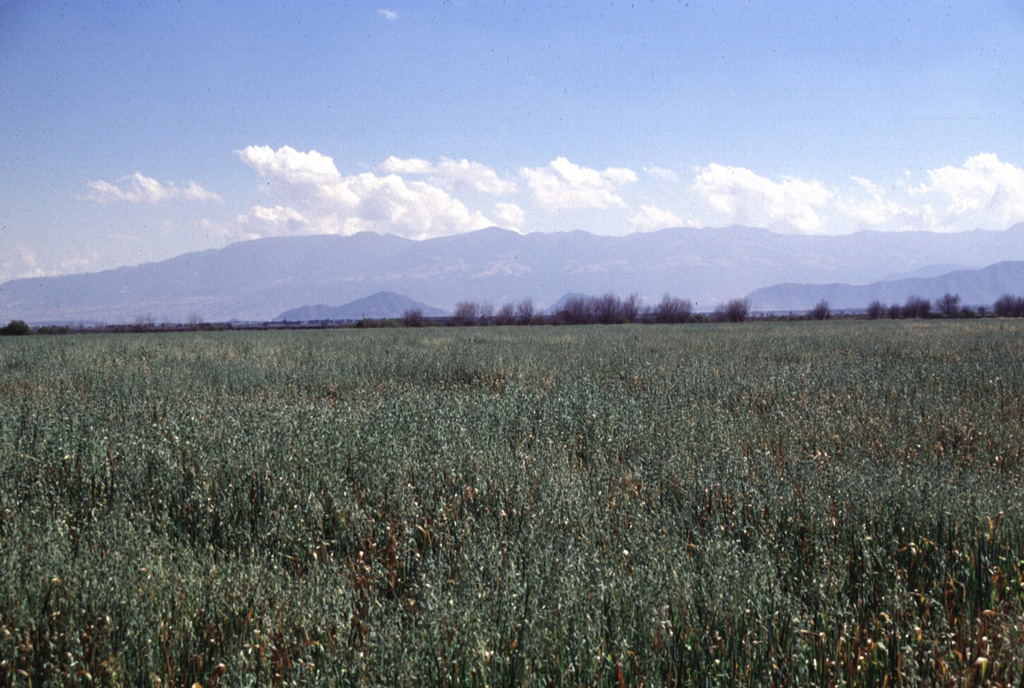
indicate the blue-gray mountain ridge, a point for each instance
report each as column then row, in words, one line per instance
column 260, row 279
column 379, row 306
column 974, row 287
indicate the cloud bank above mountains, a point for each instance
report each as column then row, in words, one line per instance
column 296, row 192
column 418, row 198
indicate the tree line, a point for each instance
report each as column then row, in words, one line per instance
column 947, row 306
column 610, row 309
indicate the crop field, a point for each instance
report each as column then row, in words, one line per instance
column 788, row 504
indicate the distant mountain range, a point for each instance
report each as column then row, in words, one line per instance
column 260, row 279
column 974, row 287
column 379, row 306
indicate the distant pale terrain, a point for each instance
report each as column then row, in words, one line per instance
column 377, row 306
column 262, row 279
column 974, row 287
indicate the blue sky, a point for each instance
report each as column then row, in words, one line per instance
column 134, row 132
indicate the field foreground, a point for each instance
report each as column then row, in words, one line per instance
column 764, row 504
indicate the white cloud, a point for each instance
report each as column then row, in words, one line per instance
column 509, row 215
column 138, row 188
column 419, row 198
column 453, row 174
column 390, row 15
column 279, row 220
column 747, row 198
column 870, row 212
column 619, row 175
column 465, row 174
column 983, row 192
column 79, row 263
column 562, row 185
column 649, row 218
column 407, row 166
column 662, row 173
column 289, row 166
column 318, row 199
column 19, row 262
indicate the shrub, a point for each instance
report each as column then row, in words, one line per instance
column 15, row 327
column 53, row 329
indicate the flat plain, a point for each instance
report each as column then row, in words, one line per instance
column 834, row 503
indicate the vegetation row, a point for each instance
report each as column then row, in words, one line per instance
column 579, row 310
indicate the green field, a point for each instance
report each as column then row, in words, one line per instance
column 834, row 503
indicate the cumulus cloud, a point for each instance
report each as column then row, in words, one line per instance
column 19, row 262
column 289, row 166
column 984, row 191
column 649, row 218
column 406, row 166
column 870, row 208
column 662, row 173
column 80, row 262
column 420, row 198
column 509, row 215
column 563, row 185
column 452, row 174
column 748, row 198
column 390, row 15
column 279, row 220
column 138, row 188
column 319, row 199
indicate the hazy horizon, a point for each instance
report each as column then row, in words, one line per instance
column 133, row 135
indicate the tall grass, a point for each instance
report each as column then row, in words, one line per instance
column 745, row 505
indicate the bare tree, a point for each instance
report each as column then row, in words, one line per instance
column 144, row 322
column 949, row 305
column 506, row 315
column 486, row 314
column 735, row 310
column 412, row 317
column 916, row 307
column 577, row 310
column 821, row 311
column 875, row 310
column 465, row 313
column 524, row 312
column 673, row 310
column 632, row 306
column 607, row 310
column 894, row 311
column 1008, row 306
